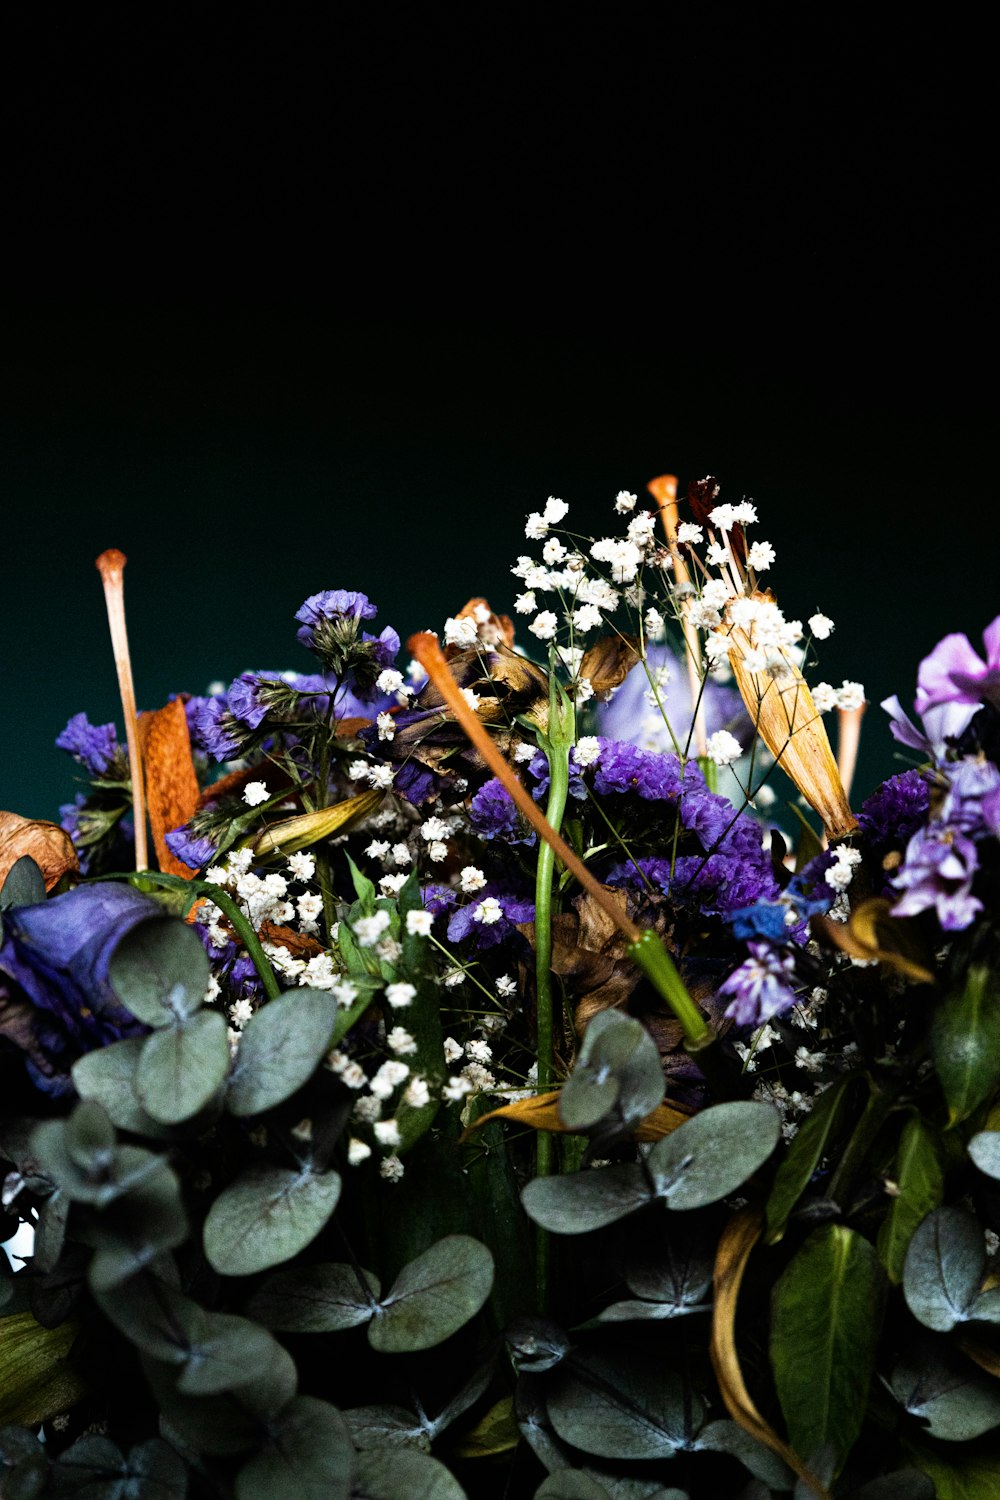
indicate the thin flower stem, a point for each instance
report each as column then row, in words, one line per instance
column 111, row 566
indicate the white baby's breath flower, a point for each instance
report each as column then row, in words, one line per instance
column 472, row 879
column 723, row 748
column 380, row 777
column 471, row 698
column 389, row 681
column 419, row 924
column 525, row 752
column 624, row 502
column 586, row 750
column 401, row 994
column 387, row 1133
column 554, row 510
column 417, row 1093
column 506, row 987
column 391, row 1168
column 255, row 792
column 535, row 527
column 821, row 626
column 760, row 556
column 850, row 695
column 302, row 865
column 488, row 912
column 452, row 1050
column 544, row 625
column 689, row 534
column 460, row 632
column 388, row 1077
column 526, row 604
column 399, row 1041
column 368, row 930
column 386, row 726
column 358, row 770
column 357, row 1152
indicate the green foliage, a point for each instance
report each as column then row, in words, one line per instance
column 618, row 1069
column 181, row 1067
column 160, row 971
column 810, row 1145
column 944, row 1270
column 309, row 1454
column 622, row 1408
column 280, row 1048
column 946, row 1393
column 826, row 1313
column 919, row 1182
column 965, row 1041
column 267, row 1216
column 24, row 884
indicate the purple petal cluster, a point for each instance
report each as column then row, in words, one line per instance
column 331, row 627
column 463, row 923
column 894, row 812
column 937, row 874
column 213, row 728
column 629, row 715
column 93, row 745
column 192, row 849
column 955, row 673
column 760, row 988
column 342, row 608
column 493, row 815
column 538, row 769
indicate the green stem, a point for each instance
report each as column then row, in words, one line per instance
column 560, row 738
column 880, row 1102
column 710, row 771
column 322, row 853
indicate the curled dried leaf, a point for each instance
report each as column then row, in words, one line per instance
column 171, row 782
column 46, row 843
column 874, row 933
column 491, row 630
column 541, row 1112
column 735, row 1244
column 304, row 829
column 609, row 661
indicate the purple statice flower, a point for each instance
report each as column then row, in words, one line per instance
column 894, row 812
column 93, row 745
column 213, row 729
column 244, row 981
column 494, row 815
column 623, row 767
column 192, row 849
column 784, row 920
column 245, row 699
column 341, row 610
column 55, row 958
column 630, row 715
column 936, row 875
column 416, row 782
column 438, row 898
column 538, row 769
column 954, row 673
column 971, row 801
column 760, row 988
column 489, row 918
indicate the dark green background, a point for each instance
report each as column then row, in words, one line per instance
column 245, row 457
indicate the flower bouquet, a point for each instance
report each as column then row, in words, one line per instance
column 518, row 1075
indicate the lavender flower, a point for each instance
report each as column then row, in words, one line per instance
column 489, row 919
column 894, row 812
column 332, row 610
column 213, row 728
column 760, row 988
column 954, row 673
column 95, row 746
column 937, row 875
column 331, row 627
column 191, row 849
column 493, row 815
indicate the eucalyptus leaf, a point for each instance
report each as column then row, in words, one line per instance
column 152, row 1471
column 182, row 1066
column 902, row 1484
column 825, row 1324
column 314, row 1299
column 571, row 1484
column 280, row 1048
column 50, row 1232
column 618, row 1065
column 633, row 1310
column 160, row 971
column 24, row 885
column 266, row 1216
column 957, row 1474
column 582, row 1201
column 919, row 1183
column 535, row 1344
column 634, row 1407
column 90, row 1137
column 128, row 1168
column 375, row 1427
column 677, row 1271
column 965, row 1043
column 403, row 1474
column 951, row 1397
column 137, row 1231
column 310, row 1456
column 224, row 1347
column 433, row 1296
column 714, row 1153
column 944, row 1268
column 153, row 1313
column 984, row 1148
column 728, row 1437
column 107, row 1075
column 811, row 1143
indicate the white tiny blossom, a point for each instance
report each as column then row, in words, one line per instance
column 387, row 1133
column 460, row 632
column 434, row 829
column 391, row 885
column 471, row 698
column 553, row 552
column 419, row 923
column 388, row 1076
column 368, row 930
column 319, row 973
column 525, row 752
column 744, row 514
column 583, row 690
column 623, row 557
column 472, row 879
column 717, row 555
column 240, row 1012
column 437, row 852
column 380, row 777
column 809, row 1062
column 571, row 657
column 640, row 530
column 456, row 1088
column 821, row 626
column 377, row 849
column 544, row 625
column 480, row 1078
column 596, row 591
column 255, row 792
column 452, row 1050
column 386, row 726
column 401, row 994
column 554, row 510
column 417, row 1093
column 689, row 533
column 760, row 556
column 586, row 750
column 656, row 627
column 717, row 646
column 344, row 992
column 624, row 502
column 302, row 865
column 526, row 604
column 357, row 1152
column 212, row 990
column 400, row 854
column 841, row 872
column 453, row 977
column 536, row 526
column 389, row 681
column 723, row 517
column 353, row 1075
column 850, row 695
column 704, row 616
column 479, row 1051
column 824, row 697
column 716, row 593
column 391, row 1168
column 587, row 617
column 217, row 875
column 506, row 987
column 275, row 885
column 400, row 1042
column 488, row 912
column 358, row 770
column 723, row 748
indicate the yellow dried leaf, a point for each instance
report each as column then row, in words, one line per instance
column 541, row 1112
column 496, row 1432
column 46, row 843
column 873, row 933
column 737, row 1240
column 788, row 722
column 37, row 1380
column 304, row 829
column 981, row 1354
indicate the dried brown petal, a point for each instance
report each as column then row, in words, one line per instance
column 46, row 843
column 873, row 933
column 609, row 661
column 171, row 782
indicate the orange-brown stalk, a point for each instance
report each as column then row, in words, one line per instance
column 664, row 492
column 427, row 651
column 848, row 741
column 111, row 566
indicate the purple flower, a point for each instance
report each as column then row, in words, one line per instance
column 213, row 728
column 93, row 745
column 331, row 627
column 245, row 700
column 191, row 849
column 339, row 609
column 943, row 722
column 464, row 923
column 973, row 787
column 954, row 673
column 538, row 768
column 438, row 898
column 630, row 716
column 894, row 812
column 493, row 815
column 760, row 988
column 55, row 956
column 937, row 874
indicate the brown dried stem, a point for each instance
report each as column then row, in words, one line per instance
column 664, row 492
column 111, row 566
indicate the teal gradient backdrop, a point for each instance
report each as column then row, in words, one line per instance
column 245, row 458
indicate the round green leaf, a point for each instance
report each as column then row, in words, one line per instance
column 223, row 1349
column 714, row 1153
column 181, row 1067
column 956, row 1402
column 944, row 1268
column 403, row 1474
column 825, row 1325
column 581, row 1201
column 310, row 1456
column 266, row 1216
column 634, row 1407
column 984, row 1148
column 107, row 1075
column 618, row 1065
column 280, row 1048
column 571, row 1484
column 160, row 971
column 90, row 1136
column 136, row 1231
column 314, row 1299
column 723, row 1436
column 965, row 1042
column 433, row 1296
column 376, row 1427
